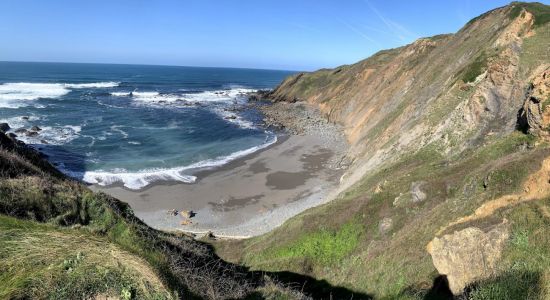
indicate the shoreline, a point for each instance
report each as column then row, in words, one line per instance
column 256, row 193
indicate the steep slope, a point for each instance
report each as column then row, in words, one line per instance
column 438, row 128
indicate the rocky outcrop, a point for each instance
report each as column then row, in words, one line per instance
column 468, row 255
column 416, row 192
column 533, row 117
column 4, row 127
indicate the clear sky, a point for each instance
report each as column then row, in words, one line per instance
column 273, row 34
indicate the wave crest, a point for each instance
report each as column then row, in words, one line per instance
column 140, row 179
column 15, row 95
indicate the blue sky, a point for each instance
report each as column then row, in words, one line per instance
column 272, row 34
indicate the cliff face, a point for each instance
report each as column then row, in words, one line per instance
column 452, row 90
column 449, row 138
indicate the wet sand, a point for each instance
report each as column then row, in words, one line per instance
column 246, row 197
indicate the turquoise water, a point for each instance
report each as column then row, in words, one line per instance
column 134, row 125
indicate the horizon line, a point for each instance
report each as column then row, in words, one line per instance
column 150, row 65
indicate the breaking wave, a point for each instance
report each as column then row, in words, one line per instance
column 18, row 94
column 140, row 179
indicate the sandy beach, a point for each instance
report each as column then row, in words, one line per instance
column 248, row 196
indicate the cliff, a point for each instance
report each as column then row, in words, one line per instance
column 449, row 184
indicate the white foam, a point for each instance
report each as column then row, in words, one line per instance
column 136, row 180
column 116, row 128
column 15, row 95
column 156, row 97
column 52, row 135
column 234, row 118
column 107, row 84
column 141, row 179
column 220, row 96
column 206, row 96
column 120, row 94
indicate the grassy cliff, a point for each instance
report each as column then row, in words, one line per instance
column 446, row 193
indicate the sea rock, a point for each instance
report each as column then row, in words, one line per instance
column 35, row 128
column 4, row 127
column 416, row 193
column 21, row 131
column 31, row 133
column 468, row 255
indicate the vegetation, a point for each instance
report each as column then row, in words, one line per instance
column 324, row 247
column 394, row 264
column 476, row 68
column 540, row 11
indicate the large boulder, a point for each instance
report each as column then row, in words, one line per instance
column 468, row 255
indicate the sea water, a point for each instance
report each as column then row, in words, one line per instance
column 134, row 124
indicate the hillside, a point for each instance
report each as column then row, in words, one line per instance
column 448, row 191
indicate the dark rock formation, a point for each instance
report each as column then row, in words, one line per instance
column 4, row 127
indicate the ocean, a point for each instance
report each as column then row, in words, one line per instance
column 134, row 124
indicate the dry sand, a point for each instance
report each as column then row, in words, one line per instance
column 249, row 196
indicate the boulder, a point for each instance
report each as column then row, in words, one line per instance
column 35, row 128
column 21, row 131
column 468, row 255
column 385, row 225
column 4, row 127
column 416, row 193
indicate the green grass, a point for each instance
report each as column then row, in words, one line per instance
column 526, row 259
column 324, row 247
column 540, row 11
column 41, row 261
column 395, row 265
column 476, row 68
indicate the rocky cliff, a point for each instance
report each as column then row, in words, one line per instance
column 438, row 128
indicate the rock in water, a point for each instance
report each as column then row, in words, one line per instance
column 21, row 130
column 35, row 128
column 4, row 127
column 468, row 255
